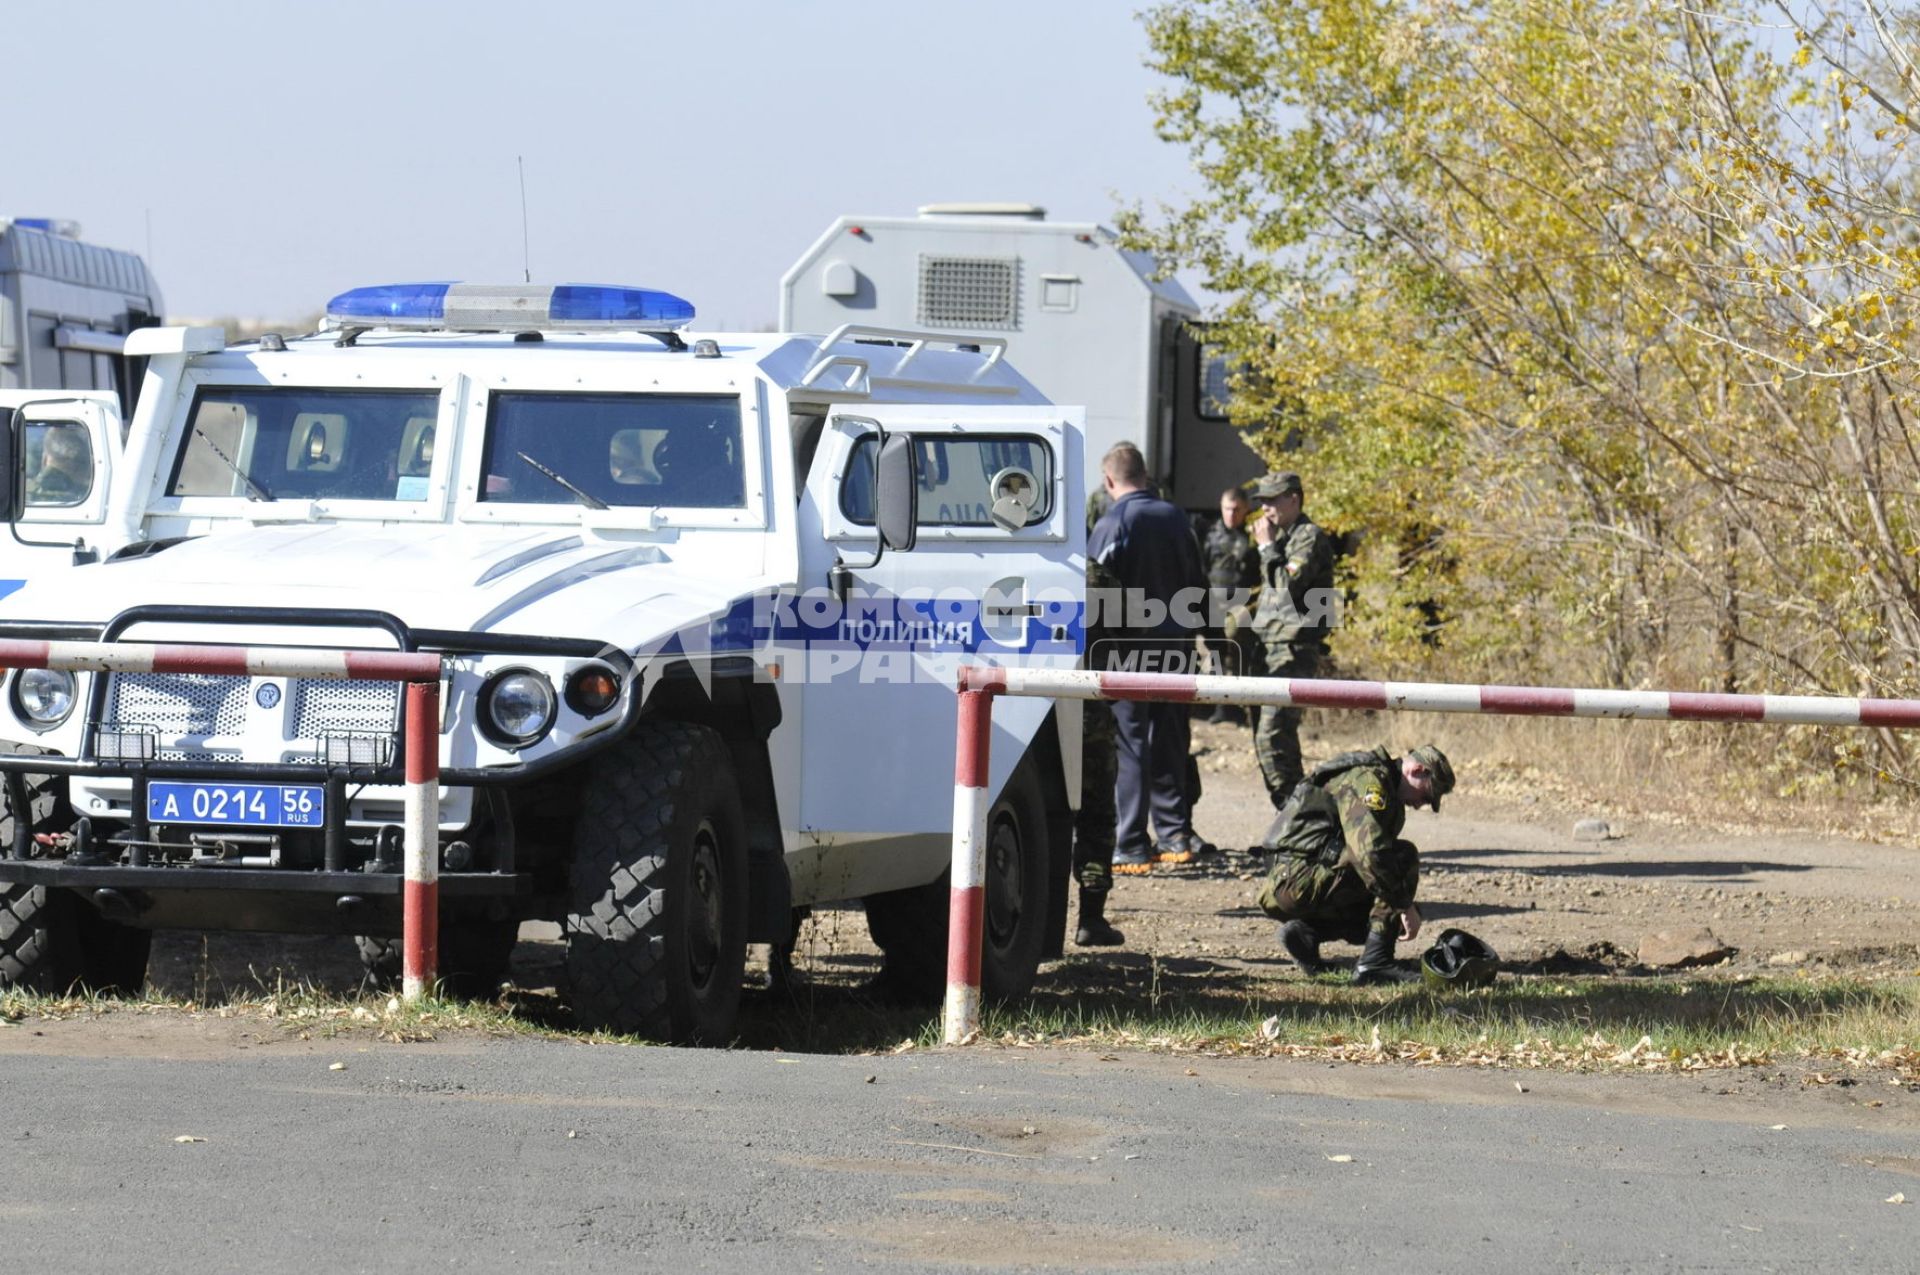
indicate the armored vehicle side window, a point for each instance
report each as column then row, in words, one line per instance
column 59, row 463
column 956, row 478
column 621, row 450
column 307, row 444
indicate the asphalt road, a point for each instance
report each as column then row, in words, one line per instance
column 495, row 1155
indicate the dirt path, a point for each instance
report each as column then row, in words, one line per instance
column 1513, row 871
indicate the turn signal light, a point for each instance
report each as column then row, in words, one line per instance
column 592, row 690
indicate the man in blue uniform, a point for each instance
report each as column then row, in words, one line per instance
column 1148, row 547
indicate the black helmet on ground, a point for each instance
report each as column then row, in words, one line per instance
column 1458, row 959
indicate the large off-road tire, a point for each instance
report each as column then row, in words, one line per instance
column 39, row 939
column 657, row 914
column 910, row 926
column 473, row 957
column 39, row 928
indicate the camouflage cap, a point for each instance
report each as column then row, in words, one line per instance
column 1282, row 483
column 1442, row 769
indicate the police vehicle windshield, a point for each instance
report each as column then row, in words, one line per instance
column 615, row 450
column 307, row 444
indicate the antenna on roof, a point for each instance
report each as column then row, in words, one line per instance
column 525, row 259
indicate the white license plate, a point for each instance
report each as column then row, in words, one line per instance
column 245, row 805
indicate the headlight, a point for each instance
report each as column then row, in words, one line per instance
column 516, row 707
column 592, row 689
column 42, row 697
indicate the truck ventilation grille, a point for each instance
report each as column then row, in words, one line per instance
column 970, row 292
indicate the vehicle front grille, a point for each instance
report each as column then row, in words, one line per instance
column 323, row 707
column 213, row 717
column 177, row 704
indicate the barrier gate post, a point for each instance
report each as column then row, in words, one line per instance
column 420, row 902
column 967, row 909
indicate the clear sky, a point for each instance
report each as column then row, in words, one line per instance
column 268, row 155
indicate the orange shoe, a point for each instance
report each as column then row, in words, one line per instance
column 1132, row 863
column 1185, row 849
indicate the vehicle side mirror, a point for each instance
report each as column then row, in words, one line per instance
column 896, row 498
column 10, row 456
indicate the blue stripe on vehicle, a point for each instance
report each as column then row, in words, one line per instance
column 886, row 623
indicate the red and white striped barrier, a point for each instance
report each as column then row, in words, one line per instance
column 967, row 907
column 1444, row 697
column 420, row 905
column 979, row 685
column 420, row 901
column 236, row 661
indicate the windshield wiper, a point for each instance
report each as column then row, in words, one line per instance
column 255, row 489
column 591, row 502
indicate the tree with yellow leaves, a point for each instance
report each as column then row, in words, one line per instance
column 1595, row 318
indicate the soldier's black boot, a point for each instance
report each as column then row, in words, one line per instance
column 1094, row 930
column 1376, row 965
column 1303, row 945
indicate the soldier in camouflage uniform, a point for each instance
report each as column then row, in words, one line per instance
column 1293, row 618
column 1342, row 870
column 1233, row 578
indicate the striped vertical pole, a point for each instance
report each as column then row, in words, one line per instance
column 420, row 902
column 967, row 910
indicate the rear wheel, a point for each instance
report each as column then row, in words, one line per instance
column 657, row 921
column 910, row 926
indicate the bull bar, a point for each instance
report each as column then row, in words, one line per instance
column 419, row 671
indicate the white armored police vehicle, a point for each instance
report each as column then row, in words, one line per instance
column 700, row 601
column 1086, row 320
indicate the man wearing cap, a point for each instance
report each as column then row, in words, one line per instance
column 1294, row 615
column 1342, row 870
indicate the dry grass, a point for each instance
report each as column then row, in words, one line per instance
column 1581, row 1024
column 1825, row 1028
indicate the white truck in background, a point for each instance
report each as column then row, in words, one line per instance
column 1084, row 319
column 66, row 310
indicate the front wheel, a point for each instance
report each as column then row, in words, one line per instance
column 657, row 918
column 39, row 939
column 40, row 947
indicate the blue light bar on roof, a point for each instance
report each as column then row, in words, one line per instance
column 513, row 307
column 50, row 225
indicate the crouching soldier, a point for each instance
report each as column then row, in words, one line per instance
column 1341, row 870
